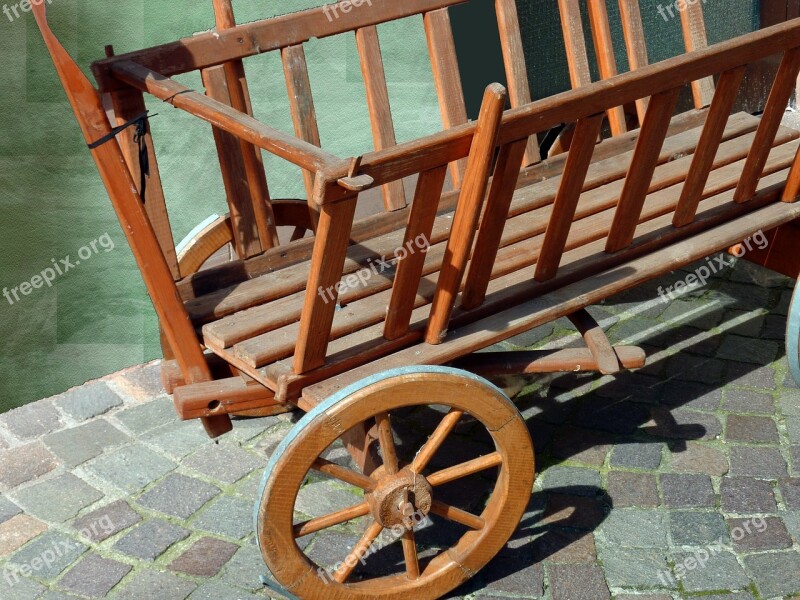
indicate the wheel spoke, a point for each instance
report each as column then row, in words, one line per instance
column 436, row 440
column 387, row 443
column 410, row 553
column 359, row 552
column 465, row 469
column 336, row 518
column 344, row 474
column 451, row 513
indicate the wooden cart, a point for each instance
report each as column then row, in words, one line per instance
column 335, row 322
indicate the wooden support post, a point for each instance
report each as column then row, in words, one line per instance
column 695, row 38
column 635, row 44
column 607, row 62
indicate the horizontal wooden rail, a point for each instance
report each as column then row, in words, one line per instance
column 454, row 144
column 218, row 47
column 226, row 118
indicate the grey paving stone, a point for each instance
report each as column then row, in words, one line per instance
column 747, row 401
column 7, row 509
column 696, row 528
column 793, row 429
column 247, row 428
column 746, row 428
column 581, row 445
column 757, row 533
column 791, row 519
column 686, row 394
column 56, row 595
column 637, row 455
column 24, row 463
column 691, row 368
column 794, row 452
column 775, row 574
column 151, row 539
column 107, row 521
column 751, row 376
column 608, row 414
column 577, row 512
column 204, row 558
column 643, row 597
column 88, row 401
column 578, row 480
column 143, row 381
column 131, row 468
column 732, row 596
column 178, row 439
column 790, row 491
column 684, row 424
column 32, row 420
column 632, row 489
column 146, row 417
column 154, row 584
column 518, row 576
column 223, row 462
column 636, row 567
column 229, row 516
column 77, row 445
column 789, row 403
column 687, row 490
column 635, row 528
column 178, row 495
column 18, row 531
column 48, row 555
column 577, row 582
column 94, row 576
column 245, row 569
column 721, row 571
column 217, row 590
column 698, row 458
column 568, row 546
column 16, row 587
column 57, row 499
column 746, row 495
column 763, row 463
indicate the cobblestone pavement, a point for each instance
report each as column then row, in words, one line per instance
column 679, row 480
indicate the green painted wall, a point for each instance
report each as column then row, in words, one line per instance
column 97, row 318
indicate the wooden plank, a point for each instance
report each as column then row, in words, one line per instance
column 770, row 121
column 237, row 192
column 568, row 360
column 409, row 269
column 635, row 44
column 128, row 103
column 519, row 91
column 225, row 396
column 214, row 48
column 708, row 145
column 446, row 78
column 566, row 202
column 694, row 37
column 606, row 61
column 301, row 104
column 596, row 341
column 643, row 164
column 792, row 191
column 493, row 222
column 574, row 43
column 467, row 212
column 330, row 247
column 380, row 112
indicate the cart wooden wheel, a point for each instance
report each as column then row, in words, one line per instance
column 408, row 490
column 793, row 335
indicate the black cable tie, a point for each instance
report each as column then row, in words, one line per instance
column 116, row 130
column 169, row 100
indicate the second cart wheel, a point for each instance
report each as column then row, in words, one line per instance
column 438, row 508
column 793, row 335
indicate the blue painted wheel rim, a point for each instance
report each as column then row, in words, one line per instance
column 793, row 335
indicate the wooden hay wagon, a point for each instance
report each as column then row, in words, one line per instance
column 630, row 191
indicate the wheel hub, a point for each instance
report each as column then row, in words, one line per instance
column 402, row 499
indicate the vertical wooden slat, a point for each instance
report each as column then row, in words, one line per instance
column 253, row 161
column 566, row 201
column 301, row 104
column 467, row 212
column 768, row 127
column 635, row 44
column 446, row 77
column 695, row 38
column 519, row 91
column 490, row 232
column 380, row 112
column 643, row 165
column 327, row 264
column 128, row 104
column 575, row 43
column 707, row 146
column 409, row 269
column 791, row 193
column 234, row 176
column 607, row 62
